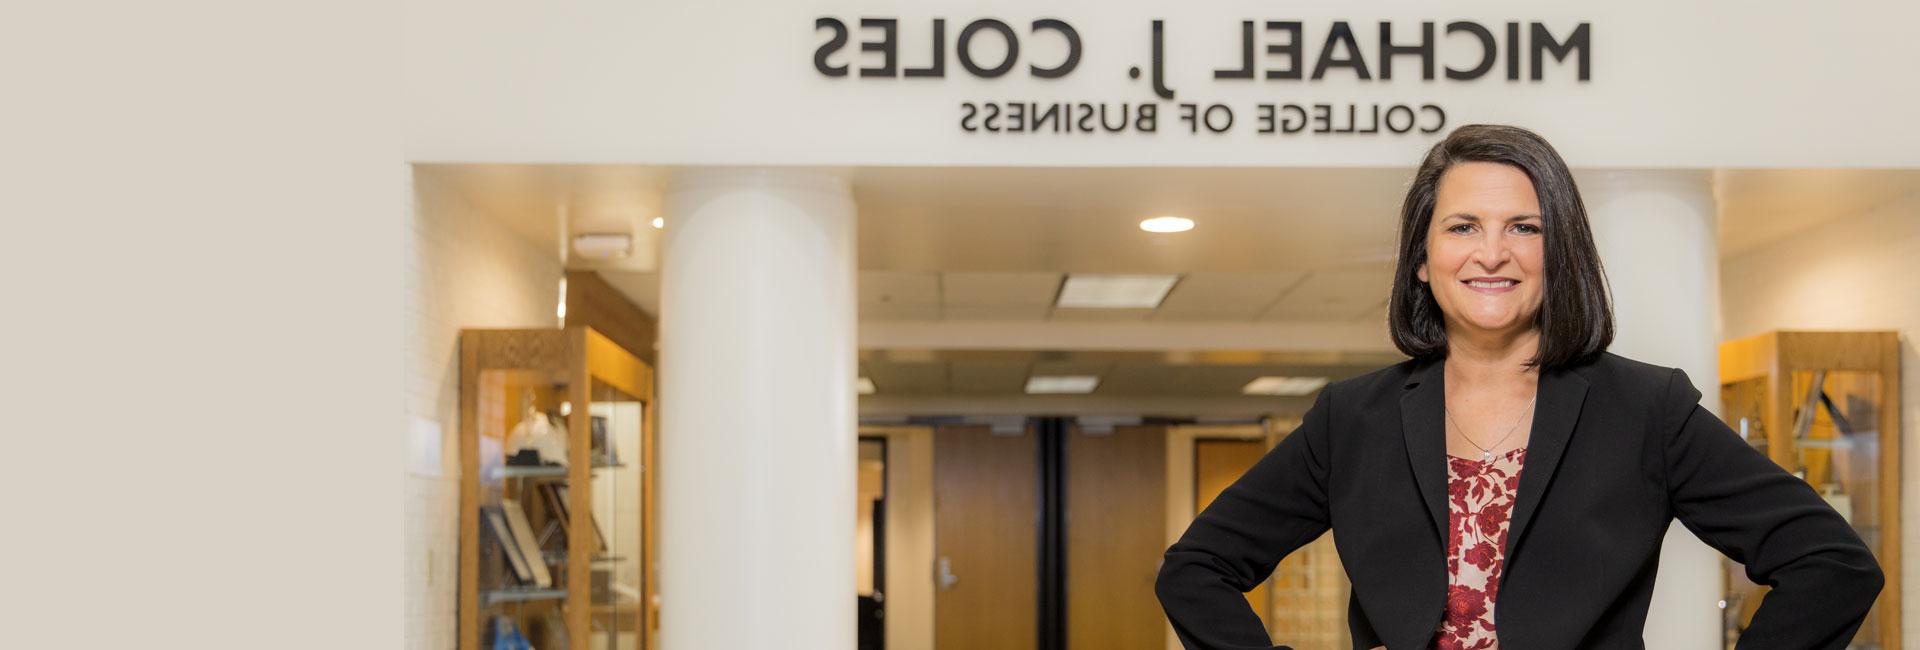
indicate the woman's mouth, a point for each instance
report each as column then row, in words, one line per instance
column 1491, row 286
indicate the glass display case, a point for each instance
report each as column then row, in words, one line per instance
column 1825, row 406
column 556, row 505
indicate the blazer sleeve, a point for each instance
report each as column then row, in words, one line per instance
column 1824, row 578
column 1232, row 546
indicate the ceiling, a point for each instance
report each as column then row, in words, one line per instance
column 1761, row 206
column 1121, row 373
column 1145, row 383
column 1271, row 247
column 1083, row 220
column 1335, row 294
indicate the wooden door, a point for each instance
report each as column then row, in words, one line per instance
column 986, row 493
column 1116, row 536
column 1217, row 463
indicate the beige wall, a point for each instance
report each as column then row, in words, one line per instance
column 462, row 268
column 1855, row 273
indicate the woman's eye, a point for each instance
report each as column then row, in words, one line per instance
column 1457, row 227
column 1529, row 228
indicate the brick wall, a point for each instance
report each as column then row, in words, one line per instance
column 463, row 268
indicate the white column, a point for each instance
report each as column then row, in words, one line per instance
column 1655, row 231
column 757, row 411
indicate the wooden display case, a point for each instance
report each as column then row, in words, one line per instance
column 1825, row 406
column 572, row 383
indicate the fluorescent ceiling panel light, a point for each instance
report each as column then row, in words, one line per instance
column 865, row 386
column 1115, row 291
column 1287, row 386
column 1068, row 384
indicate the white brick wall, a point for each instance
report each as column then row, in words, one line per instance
column 1856, row 273
column 463, row 268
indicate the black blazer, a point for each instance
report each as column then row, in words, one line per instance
column 1618, row 449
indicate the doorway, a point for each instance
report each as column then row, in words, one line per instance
column 870, row 543
column 1049, row 535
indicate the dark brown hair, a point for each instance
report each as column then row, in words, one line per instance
column 1576, row 314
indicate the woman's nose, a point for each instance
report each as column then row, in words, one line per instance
column 1493, row 250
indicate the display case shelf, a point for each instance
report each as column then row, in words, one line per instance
column 1824, row 443
column 558, row 558
column 526, row 472
column 519, row 595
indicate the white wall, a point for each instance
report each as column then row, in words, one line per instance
column 462, row 268
column 1855, row 273
column 1764, row 83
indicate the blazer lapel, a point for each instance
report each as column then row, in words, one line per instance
column 1560, row 395
column 1557, row 407
column 1423, row 422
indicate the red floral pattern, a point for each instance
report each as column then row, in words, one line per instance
column 1480, row 498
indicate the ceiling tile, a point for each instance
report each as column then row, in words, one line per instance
column 1220, row 380
column 988, row 376
column 912, row 377
column 999, row 289
column 1082, row 314
column 1339, row 295
column 1225, row 296
column 1059, row 368
column 998, row 312
column 899, row 288
column 887, row 311
column 1142, row 378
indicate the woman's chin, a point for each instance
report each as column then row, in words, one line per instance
column 1495, row 325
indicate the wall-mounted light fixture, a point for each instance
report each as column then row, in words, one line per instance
column 603, row 246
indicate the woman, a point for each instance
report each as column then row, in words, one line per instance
column 1510, row 484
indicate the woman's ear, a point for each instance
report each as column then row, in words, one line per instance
column 1421, row 272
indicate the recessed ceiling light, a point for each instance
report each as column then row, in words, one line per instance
column 1288, row 386
column 1167, row 224
column 1115, row 291
column 659, row 222
column 1041, row 384
column 865, row 386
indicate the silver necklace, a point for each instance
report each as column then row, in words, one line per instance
column 1486, row 453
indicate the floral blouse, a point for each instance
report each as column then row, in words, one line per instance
column 1480, row 498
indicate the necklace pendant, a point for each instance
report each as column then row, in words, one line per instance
column 1486, row 456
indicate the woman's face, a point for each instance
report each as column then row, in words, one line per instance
column 1484, row 248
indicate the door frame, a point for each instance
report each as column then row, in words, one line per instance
column 1181, row 441
column 909, row 589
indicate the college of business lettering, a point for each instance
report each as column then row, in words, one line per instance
column 1274, row 51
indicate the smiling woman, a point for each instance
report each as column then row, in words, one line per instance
column 1493, row 230
column 1485, row 269
column 1512, row 455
